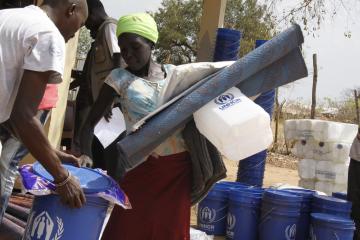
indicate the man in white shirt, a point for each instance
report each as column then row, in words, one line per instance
column 353, row 191
column 32, row 52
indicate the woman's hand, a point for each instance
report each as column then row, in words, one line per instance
column 68, row 158
column 86, row 161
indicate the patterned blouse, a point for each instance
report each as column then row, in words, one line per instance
column 139, row 97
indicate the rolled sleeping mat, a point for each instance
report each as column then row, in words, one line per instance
column 17, row 211
column 10, row 230
column 278, row 62
column 15, row 220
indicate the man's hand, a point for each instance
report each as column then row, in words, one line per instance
column 71, row 194
column 86, row 161
column 68, row 158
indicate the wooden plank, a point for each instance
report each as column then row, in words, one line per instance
column 212, row 18
column 357, row 107
column 315, row 76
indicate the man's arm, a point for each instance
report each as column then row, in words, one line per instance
column 98, row 110
column 27, row 127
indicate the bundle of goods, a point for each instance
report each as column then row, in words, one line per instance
column 324, row 148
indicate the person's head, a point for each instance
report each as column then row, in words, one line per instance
column 137, row 35
column 67, row 15
column 96, row 17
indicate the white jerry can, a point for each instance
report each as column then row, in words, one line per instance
column 237, row 126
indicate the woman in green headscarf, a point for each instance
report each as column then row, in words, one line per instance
column 158, row 189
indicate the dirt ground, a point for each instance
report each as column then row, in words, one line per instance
column 280, row 169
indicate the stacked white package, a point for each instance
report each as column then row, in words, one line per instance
column 320, row 130
column 307, row 183
column 324, row 148
column 307, row 169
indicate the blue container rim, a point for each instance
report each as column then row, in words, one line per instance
column 102, row 186
column 229, row 31
column 331, row 219
column 276, row 195
column 332, row 201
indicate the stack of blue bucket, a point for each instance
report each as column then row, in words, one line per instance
column 213, row 209
column 303, row 227
column 244, row 213
column 280, row 214
column 251, row 170
column 227, row 45
column 330, row 219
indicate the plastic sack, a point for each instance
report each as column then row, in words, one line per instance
column 199, row 235
column 39, row 186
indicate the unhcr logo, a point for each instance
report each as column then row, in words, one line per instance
column 290, row 232
column 223, row 99
column 226, row 100
column 207, row 215
column 231, row 221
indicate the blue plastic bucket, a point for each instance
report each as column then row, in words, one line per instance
column 340, row 195
column 212, row 211
column 230, row 34
column 227, row 45
column 280, row 214
column 330, row 227
column 331, row 205
column 251, row 170
column 244, row 213
column 231, row 185
column 303, row 227
column 50, row 219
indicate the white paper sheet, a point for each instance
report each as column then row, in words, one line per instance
column 107, row 132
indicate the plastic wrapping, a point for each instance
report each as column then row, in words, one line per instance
column 38, row 186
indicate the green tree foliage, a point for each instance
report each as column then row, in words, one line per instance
column 179, row 25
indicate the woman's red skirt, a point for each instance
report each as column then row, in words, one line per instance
column 159, row 192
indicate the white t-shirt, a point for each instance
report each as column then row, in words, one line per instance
column 28, row 40
column 111, row 39
column 355, row 149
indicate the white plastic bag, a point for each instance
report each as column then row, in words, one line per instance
column 199, row 235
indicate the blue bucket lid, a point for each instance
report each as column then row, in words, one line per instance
column 91, row 181
column 332, row 219
column 279, row 195
column 332, row 202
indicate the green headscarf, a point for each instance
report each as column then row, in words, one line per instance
column 139, row 23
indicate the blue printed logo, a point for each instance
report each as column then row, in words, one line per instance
column 223, row 99
column 207, row 215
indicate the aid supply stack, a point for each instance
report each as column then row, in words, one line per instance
column 240, row 211
column 324, row 148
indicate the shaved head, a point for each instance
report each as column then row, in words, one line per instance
column 68, row 15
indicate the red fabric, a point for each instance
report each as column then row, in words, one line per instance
column 159, row 192
column 50, row 97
